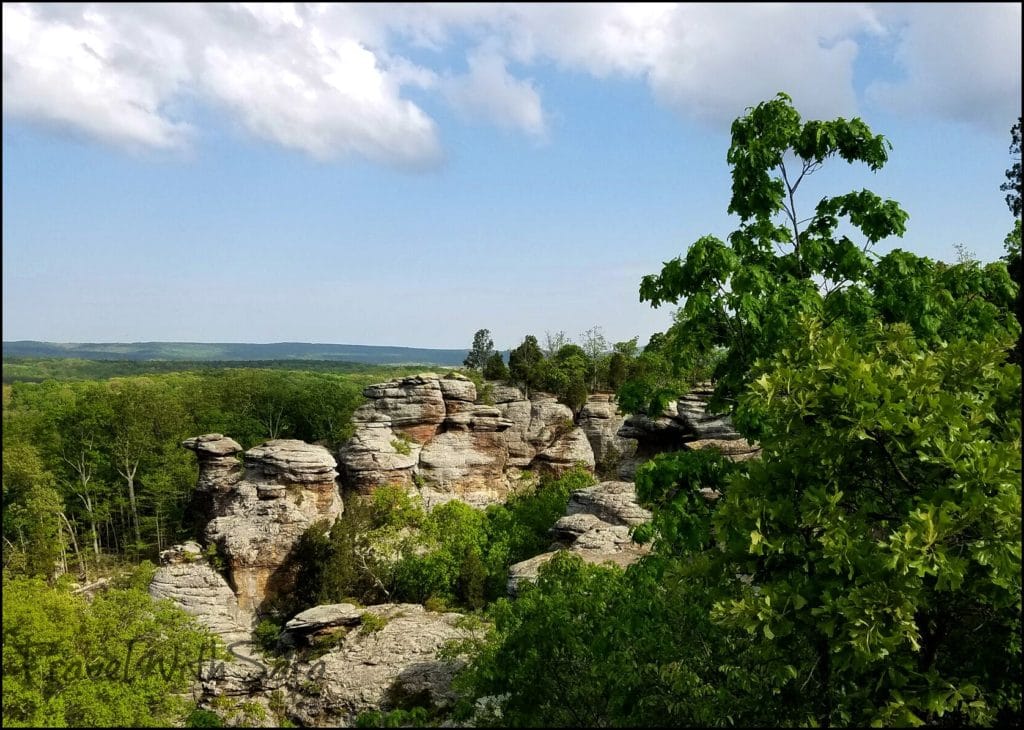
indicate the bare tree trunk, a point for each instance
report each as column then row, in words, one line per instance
column 74, row 544
column 87, row 501
column 63, row 553
column 128, row 473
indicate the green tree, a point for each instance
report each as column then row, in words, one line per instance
column 121, row 660
column 782, row 260
column 34, row 539
column 495, row 368
column 594, row 345
column 882, row 526
column 554, row 341
column 1013, row 174
column 524, row 363
column 483, row 347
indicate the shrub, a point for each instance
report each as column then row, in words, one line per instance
column 267, row 634
column 372, row 622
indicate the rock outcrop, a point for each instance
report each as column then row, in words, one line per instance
column 601, row 420
column 432, row 434
column 185, row 577
column 377, row 664
column 595, row 526
column 347, row 660
column 257, row 510
column 685, row 424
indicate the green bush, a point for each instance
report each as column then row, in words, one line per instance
column 372, row 622
column 267, row 634
column 203, row 718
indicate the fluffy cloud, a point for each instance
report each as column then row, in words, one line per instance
column 960, row 63
column 114, row 73
column 331, row 80
column 88, row 76
column 491, row 93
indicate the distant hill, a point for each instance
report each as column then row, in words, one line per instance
column 238, row 351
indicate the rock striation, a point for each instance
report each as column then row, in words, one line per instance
column 255, row 511
column 433, row 434
column 596, row 526
column 186, row 577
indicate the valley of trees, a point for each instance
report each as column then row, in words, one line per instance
column 865, row 570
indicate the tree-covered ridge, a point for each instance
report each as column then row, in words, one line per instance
column 226, row 351
column 36, row 370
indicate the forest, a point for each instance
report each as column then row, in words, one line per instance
column 865, row 570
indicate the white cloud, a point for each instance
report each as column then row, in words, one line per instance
column 86, row 75
column 331, row 80
column 113, row 72
column 491, row 93
column 961, row 63
column 722, row 59
column 326, row 97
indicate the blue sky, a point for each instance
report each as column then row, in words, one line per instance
column 405, row 175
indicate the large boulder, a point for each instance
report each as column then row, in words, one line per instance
column 376, row 455
column 517, row 412
column 379, row 663
column 415, row 405
column 564, row 453
column 219, row 467
column 464, row 464
column 186, row 578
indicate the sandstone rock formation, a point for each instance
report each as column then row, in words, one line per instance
column 257, row 510
column 595, row 526
column 601, row 420
column 349, row 660
column 685, row 424
column 185, row 577
column 433, row 435
column 377, row 665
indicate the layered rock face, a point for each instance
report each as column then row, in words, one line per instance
column 595, row 526
column 185, row 577
column 686, row 424
column 601, row 421
column 257, row 510
column 430, row 433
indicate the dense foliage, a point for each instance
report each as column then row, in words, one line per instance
column 866, row 569
column 742, row 296
column 119, row 660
